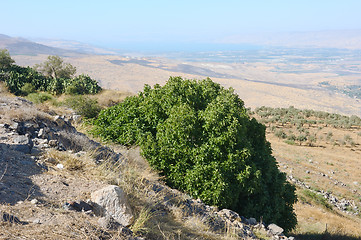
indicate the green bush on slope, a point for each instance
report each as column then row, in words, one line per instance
column 200, row 137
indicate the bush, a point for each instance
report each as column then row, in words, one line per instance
column 200, row 137
column 84, row 106
column 82, row 84
column 27, row 89
column 39, row 97
column 24, row 80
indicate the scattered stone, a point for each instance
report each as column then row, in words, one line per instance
column 76, row 118
column 60, row 166
column 108, row 222
column 275, row 230
column 60, row 121
column 79, row 206
column 252, row 221
column 229, row 214
column 41, row 133
column 51, row 160
column 6, row 217
column 37, row 221
column 34, row 201
column 111, row 201
column 53, row 143
column 308, row 171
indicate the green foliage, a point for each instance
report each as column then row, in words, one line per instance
column 299, row 117
column 82, row 84
column 199, row 136
column 55, row 67
column 39, row 97
column 84, row 106
column 27, row 89
column 5, row 60
column 25, row 80
column 16, row 77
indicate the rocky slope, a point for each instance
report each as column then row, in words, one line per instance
column 52, row 186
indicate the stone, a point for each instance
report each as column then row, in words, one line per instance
column 51, row 160
column 111, row 201
column 53, row 143
column 60, row 121
column 76, row 118
column 60, row 166
column 41, row 133
column 6, row 217
column 36, row 221
column 252, row 221
column 274, row 229
column 21, row 139
column 229, row 214
column 79, row 206
column 34, row 201
column 108, row 223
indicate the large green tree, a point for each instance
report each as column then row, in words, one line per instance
column 55, row 67
column 199, row 136
column 5, row 60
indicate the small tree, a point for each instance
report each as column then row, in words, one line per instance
column 5, row 60
column 56, row 68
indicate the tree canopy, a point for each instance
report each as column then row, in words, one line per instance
column 55, row 67
column 200, row 137
column 5, row 60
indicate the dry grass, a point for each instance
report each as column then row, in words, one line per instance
column 315, row 220
column 56, row 223
column 108, row 98
column 9, row 111
column 328, row 163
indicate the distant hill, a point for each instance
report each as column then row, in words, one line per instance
column 349, row 39
column 73, row 46
column 22, row 46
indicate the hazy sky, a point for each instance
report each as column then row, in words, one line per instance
column 112, row 22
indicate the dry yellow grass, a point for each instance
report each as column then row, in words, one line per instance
column 325, row 164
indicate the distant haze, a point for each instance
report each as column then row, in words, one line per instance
column 185, row 25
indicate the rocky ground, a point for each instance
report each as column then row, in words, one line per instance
column 51, row 187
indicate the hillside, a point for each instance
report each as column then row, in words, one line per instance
column 320, row 152
column 22, row 46
column 51, row 175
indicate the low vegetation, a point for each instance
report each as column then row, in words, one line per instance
column 53, row 76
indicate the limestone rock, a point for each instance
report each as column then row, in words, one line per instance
column 274, row 229
column 111, row 201
column 229, row 214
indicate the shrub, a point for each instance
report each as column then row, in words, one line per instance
column 200, row 137
column 27, row 89
column 84, row 106
column 39, row 97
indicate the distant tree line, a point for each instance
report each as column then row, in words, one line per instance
column 53, row 76
column 299, row 118
column 303, row 121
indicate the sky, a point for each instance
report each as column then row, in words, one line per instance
column 111, row 23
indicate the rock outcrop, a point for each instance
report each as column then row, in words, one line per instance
column 111, row 202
